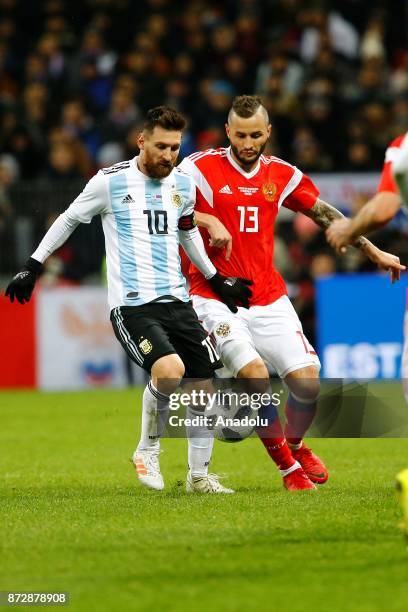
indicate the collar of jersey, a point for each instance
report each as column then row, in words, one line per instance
column 237, row 167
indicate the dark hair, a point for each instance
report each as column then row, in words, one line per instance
column 246, row 106
column 165, row 117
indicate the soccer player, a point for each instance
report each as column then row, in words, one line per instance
column 146, row 206
column 239, row 194
column 392, row 191
column 400, row 169
column 384, row 205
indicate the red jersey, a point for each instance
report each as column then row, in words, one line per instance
column 247, row 203
column 387, row 182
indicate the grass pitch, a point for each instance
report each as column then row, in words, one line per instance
column 73, row 518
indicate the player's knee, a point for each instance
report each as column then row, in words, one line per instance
column 254, row 369
column 167, row 372
column 305, row 389
column 257, row 373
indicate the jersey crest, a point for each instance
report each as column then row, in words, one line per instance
column 269, row 190
column 176, row 199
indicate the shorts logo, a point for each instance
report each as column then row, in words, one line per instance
column 223, row 330
column 145, row 346
column 176, row 200
column 269, row 191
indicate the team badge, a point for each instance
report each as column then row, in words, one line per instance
column 269, row 191
column 145, row 346
column 223, row 330
column 176, row 200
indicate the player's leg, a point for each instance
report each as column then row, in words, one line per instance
column 166, row 373
column 229, row 331
column 257, row 376
column 141, row 334
column 238, row 353
column 301, row 406
column 272, row 436
column 201, row 359
column 278, row 336
column 200, row 447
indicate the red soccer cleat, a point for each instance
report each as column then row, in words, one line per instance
column 311, row 464
column 297, row 481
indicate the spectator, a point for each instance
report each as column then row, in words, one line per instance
column 35, row 116
column 279, row 64
column 62, row 165
column 324, row 27
column 109, row 154
column 58, row 137
column 77, row 122
column 308, row 154
column 9, row 173
column 359, row 157
column 122, row 114
column 22, row 147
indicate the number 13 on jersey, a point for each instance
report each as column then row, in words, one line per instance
column 248, row 221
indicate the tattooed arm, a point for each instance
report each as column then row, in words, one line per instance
column 324, row 214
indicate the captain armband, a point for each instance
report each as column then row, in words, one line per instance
column 187, row 222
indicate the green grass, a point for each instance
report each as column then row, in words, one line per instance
column 73, row 518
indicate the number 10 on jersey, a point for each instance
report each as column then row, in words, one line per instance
column 248, row 221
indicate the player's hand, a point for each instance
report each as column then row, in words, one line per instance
column 390, row 263
column 220, row 236
column 231, row 290
column 338, row 235
column 22, row 285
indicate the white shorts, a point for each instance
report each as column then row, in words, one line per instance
column 274, row 333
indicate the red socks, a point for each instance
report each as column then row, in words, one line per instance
column 278, row 450
column 299, row 416
column 273, row 439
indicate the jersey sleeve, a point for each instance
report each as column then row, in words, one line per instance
column 387, row 182
column 400, row 170
column 92, row 200
column 304, row 194
column 190, row 200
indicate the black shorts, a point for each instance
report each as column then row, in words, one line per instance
column 158, row 329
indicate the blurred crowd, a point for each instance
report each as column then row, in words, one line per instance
column 76, row 78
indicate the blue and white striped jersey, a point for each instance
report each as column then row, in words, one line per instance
column 140, row 218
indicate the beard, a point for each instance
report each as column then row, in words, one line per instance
column 158, row 170
column 247, row 162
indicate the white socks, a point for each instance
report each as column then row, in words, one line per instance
column 154, row 417
column 200, row 445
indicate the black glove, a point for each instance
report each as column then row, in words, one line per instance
column 22, row 285
column 231, row 289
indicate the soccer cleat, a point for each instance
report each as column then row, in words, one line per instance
column 147, row 467
column 297, row 481
column 311, row 464
column 205, row 484
column 402, row 495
